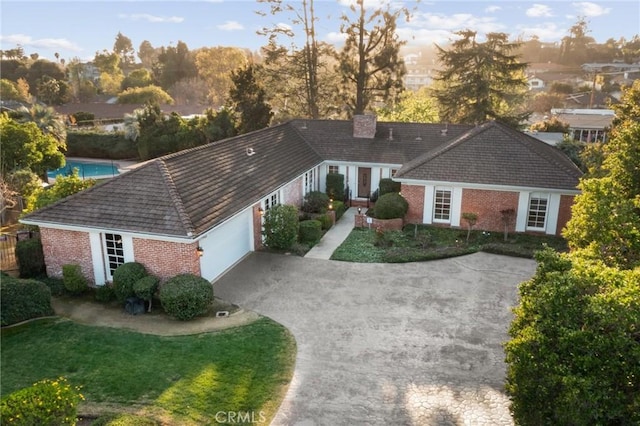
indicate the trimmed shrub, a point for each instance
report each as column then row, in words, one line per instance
column 105, row 293
column 100, row 144
column 146, row 287
column 73, row 279
column 374, row 196
column 21, row 300
column 388, row 186
column 84, row 118
column 281, row 227
column 125, row 276
column 326, row 221
column 339, row 208
column 335, row 186
column 186, row 296
column 45, row 403
column 56, row 285
column 315, row 202
column 30, row 258
column 141, row 95
column 391, row 206
column 310, row 231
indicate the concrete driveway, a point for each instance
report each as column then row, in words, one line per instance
column 401, row 344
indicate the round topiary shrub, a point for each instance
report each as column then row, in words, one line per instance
column 310, row 231
column 21, row 300
column 186, row 296
column 315, row 202
column 125, row 276
column 73, row 279
column 146, row 287
column 391, row 206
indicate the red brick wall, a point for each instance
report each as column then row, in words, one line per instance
column 487, row 205
column 415, row 197
column 385, row 225
column 166, row 259
column 566, row 201
column 66, row 247
column 257, row 228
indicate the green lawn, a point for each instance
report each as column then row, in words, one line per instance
column 187, row 378
column 424, row 242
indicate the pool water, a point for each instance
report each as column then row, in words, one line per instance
column 85, row 170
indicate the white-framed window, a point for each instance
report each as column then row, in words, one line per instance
column 271, row 201
column 113, row 253
column 538, row 209
column 334, row 169
column 393, row 172
column 442, row 205
column 309, row 182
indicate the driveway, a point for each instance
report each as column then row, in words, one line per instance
column 401, row 344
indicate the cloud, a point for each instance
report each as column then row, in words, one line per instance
column 455, row 22
column 336, row 38
column 548, row 31
column 231, row 26
column 539, row 10
column 492, row 9
column 40, row 43
column 591, row 9
column 151, row 18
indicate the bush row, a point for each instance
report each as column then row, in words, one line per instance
column 93, row 144
column 23, row 299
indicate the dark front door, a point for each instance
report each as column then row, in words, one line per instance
column 364, row 182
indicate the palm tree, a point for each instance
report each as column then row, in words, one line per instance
column 47, row 120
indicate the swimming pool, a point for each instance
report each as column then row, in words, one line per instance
column 86, row 169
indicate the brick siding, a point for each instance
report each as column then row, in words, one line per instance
column 66, row 247
column 292, row 193
column 566, row 201
column 415, row 197
column 166, row 259
column 257, row 227
column 487, row 205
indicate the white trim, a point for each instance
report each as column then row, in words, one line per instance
column 456, row 206
column 523, row 211
column 553, row 210
column 97, row 258
column 429, row 198
column 489, row 187
column 127, row 248
column 361, row 164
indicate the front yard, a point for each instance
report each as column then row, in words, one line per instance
column 423, row 242
column 175, row 380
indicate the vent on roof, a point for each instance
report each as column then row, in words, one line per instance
column 390, row 134
column 418, row 138
column 250, row 152
column 304, row 125
column 443, row 132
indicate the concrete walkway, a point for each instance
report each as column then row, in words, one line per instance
column 334, row 236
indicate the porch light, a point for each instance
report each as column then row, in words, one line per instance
column 260, row 211
column 330, row 203
column 359, row 210
column 200, row 251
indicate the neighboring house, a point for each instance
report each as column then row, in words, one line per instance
column 535, row 83
column 586, row 125
column 199, row 210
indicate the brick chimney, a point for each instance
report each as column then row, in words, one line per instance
column 364, row 126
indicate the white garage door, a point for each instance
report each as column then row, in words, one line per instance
column 226, row 245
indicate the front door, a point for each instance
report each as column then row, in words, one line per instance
column 364, row 182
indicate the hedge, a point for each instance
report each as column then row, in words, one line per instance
column 388, row 186
column 281, row 227
column 73, row 279
column 335, row 186
column 391, row 206
column 21, row 300
column 30, row 258
column 315, row 202
column 310, row 231
column 98, row 144
column 186, row 296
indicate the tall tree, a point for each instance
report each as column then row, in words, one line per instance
column 606, row 215
column 47, row 120
column 248, row 100
column 370, row 63
column 124, row 49
column 304, row 63
column 215, row 65
column 147, row 54
column 413, row 107
column 480, row 81
column 575, row 46
column 174, row 64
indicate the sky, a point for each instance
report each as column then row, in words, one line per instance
column 81, row 28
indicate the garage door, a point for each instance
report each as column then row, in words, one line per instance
column 226, row 245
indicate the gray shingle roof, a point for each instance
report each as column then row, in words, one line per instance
column 495, row 154
column 189, row 192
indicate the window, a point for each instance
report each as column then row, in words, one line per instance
column 114, row 252
column 393, row 172
column 271, row 201
column 334, row 169
column 537, row 216
column 442, row 205
column 309, row 182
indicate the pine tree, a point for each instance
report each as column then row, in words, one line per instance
column 248, row 100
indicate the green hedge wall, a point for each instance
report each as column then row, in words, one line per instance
column 21, row 300
column 310, row 231
column 93, row 144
